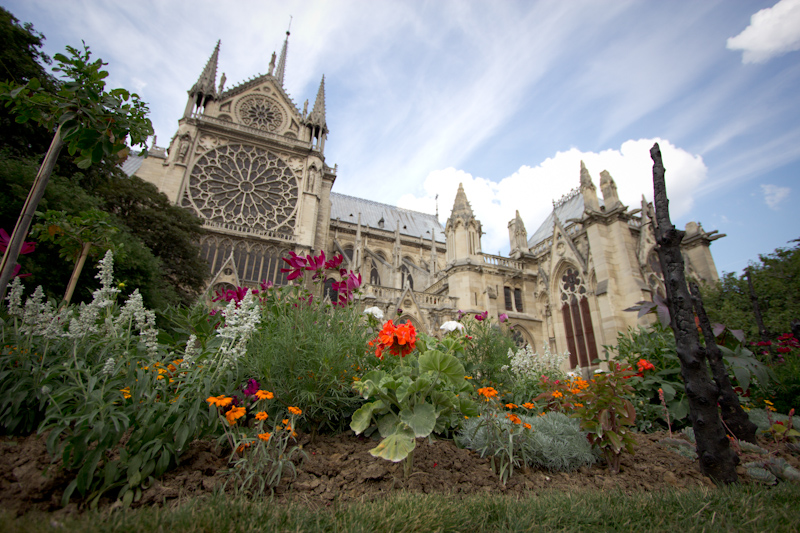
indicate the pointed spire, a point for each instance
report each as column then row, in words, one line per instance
column 609, row 189
column 279, row 72
column 206, row 83
column 586, row 179
column 317, row 116
column 461, row 205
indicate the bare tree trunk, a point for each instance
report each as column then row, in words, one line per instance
column 717, row 459
column 76, row 272
column 733, row 415
column 762, row 329
column 28, row 210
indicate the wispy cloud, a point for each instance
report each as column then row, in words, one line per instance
column 772, row 32
column 774, row 195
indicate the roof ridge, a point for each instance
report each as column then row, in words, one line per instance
column 382, row 204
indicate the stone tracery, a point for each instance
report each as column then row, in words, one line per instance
column 260, row 112
column 246, row 186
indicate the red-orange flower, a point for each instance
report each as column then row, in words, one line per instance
column 399, row 340
column 644, row 364
column 295, row 410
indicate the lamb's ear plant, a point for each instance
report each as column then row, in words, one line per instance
column 425, row 393
column 118, row 410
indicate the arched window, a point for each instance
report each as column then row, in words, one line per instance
column 329, row 292
column 406, row 277
column 577, row 319
column 374, row 276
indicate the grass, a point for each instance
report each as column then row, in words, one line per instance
column 738, row 508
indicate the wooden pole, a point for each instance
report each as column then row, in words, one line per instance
column 28, row 210
column 76, row 272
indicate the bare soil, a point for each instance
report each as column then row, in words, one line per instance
column 340, row 468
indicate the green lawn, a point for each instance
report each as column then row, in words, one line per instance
column 741, row 508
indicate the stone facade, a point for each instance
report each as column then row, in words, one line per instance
column 251, row 164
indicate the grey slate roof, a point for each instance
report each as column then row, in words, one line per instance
column 571, row 208
column 412, row 223
column 132, row 164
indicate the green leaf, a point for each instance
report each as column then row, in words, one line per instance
column 395, row 447
column 387, row 424
column 421, row 420
column 362, row 418
column 445, row 364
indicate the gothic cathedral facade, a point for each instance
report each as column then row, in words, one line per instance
column 251, row 165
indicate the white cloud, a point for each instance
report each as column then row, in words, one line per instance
column 531, row 190
column 772, row 32
column 774, row 195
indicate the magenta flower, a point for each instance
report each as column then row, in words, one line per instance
column 27, row 247
column 481, row 316
column 317, row 264
column 334, row 263
column 251, row 388
column 266, row 285
column 297, row 264
column 502, row 317
column 345, row 288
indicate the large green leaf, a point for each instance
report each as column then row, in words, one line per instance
column 446, row 364
column 409, row 387
column 387, row 424
column 363, row 416
column 421, row 420
column 395, row 447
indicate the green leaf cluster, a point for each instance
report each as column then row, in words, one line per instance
column 420, row 396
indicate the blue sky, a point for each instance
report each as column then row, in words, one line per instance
column 506, row 97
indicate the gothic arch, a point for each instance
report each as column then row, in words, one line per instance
column 522, row 336
column 572, row 296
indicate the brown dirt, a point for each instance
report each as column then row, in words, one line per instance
column 340, row 468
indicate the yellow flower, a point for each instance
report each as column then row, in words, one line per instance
column 126, row 392
column 295, row 410
column 261, row 415
column 768, row 402
column 264, row 395
column 468, row 377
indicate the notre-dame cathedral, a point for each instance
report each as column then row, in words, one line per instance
column 252, row 165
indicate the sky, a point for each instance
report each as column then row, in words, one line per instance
column 506, row 97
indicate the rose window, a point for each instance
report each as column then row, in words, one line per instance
column 245, row 186
column 260, row 112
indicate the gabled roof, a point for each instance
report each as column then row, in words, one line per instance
column 569, row 207
column 412, row 223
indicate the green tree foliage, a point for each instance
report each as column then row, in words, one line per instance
column 156, row 242
column 21, row 60
column 776, row 280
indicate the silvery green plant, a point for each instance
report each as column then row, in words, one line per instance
column 527, row 365
column 94, row 373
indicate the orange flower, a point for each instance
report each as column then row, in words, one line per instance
column 264, row 436
column 261, row 415
column 285, row 421
column 644, row 364
column 557, row 394
column 514, row 418
column 511, row 406
column 488, row 392
column 295, row 411
column 528, row 405
column 527, row 426
column 234, row 414
column 399, row 340
column 219, row 401
column 578, row 404
column 126, row 392
column 264, row 395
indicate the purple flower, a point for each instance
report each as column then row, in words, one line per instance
column 251, row 388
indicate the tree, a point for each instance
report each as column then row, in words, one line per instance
column 169, row 231
column 776, row 281
column 91, row 122
column 717, row 459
